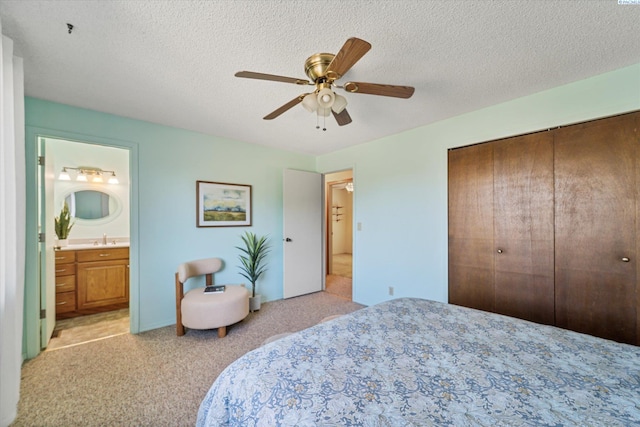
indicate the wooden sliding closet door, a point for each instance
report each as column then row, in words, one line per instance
column 596, row 191
column 471, row 248
column 523, row 227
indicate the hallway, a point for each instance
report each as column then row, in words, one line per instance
column 340, row 282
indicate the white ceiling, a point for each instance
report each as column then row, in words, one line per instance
column 173, row 62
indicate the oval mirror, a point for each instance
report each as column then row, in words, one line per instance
column 92, row 205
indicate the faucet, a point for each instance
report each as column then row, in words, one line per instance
column 104, row 239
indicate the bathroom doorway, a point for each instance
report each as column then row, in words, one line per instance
column 87, row 284
column 339, row 240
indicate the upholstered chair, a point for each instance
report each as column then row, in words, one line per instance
column 199, row 310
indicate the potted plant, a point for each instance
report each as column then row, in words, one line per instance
column 252, row 258
column 63, row 225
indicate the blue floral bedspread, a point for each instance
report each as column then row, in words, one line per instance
column 413, row 362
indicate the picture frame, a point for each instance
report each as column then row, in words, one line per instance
column 220, row 204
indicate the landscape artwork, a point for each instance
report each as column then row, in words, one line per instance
column 223, row 205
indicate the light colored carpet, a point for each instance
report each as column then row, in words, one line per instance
column 154, row 378
column 339, row 285
column 79, row 330
column 342, row 265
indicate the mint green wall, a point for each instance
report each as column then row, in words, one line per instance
column 165, row 165
column 400, row 195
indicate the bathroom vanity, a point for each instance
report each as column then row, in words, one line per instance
column 91, row 279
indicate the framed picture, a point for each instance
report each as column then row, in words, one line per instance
column 223, row 205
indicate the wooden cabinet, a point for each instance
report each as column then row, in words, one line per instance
column 103, row 278
column 65, row 283
column 543, row 227
column 91, row 281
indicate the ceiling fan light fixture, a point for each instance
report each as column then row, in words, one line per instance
column 326, row 98
column 324, row 112
column 310, row 103
column 339, row 104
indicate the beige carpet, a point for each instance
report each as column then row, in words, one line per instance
column 340, row 282
column 79, row 330
column 342, row 265
column 339, row 285
column 153, row 378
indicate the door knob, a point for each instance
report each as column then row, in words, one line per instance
column 288, row 240
column 625, row 259
column 499, row 251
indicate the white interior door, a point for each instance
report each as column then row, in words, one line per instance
column 302, row 198
column 46, row 214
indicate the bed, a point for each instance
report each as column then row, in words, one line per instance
column 414, row 362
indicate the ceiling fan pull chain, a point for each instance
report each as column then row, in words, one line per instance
column 317, row 122
column 324, row 122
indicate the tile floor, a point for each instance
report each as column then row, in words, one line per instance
column 82, row 329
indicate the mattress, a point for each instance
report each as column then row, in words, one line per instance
column 415, row 362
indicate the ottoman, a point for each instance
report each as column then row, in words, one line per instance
column 215, row 310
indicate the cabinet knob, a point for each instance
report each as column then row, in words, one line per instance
column 499, row 251
column 625, row 259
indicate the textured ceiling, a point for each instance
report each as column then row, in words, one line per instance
column 173, row 62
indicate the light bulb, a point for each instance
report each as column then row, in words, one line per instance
column 323, row 112
column 113, row 179
column 325, row 98
column 339, row 104
column 310, row 103
column 81, row 177
column 64, row 175
column 97, row 178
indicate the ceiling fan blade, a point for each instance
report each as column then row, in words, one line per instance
column 271, row 77
column 351, row 52
column 343, row 118
column 295, row 101
column 379, row 89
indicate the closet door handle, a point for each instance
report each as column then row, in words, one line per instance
column 625, row 259
column 499, row 251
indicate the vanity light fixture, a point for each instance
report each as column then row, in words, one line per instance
column 64, row 175
column 113, row 179
column 86, row 172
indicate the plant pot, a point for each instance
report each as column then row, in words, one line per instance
column 255, row 302
column 62, row 243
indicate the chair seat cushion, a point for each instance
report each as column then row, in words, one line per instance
column 214, row 310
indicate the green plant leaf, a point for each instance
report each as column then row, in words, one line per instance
column 252, row 257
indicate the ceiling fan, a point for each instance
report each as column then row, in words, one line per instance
column 324, row 69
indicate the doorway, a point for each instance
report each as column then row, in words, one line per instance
column 339, row 240
column 77, row 175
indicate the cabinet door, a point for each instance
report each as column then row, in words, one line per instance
column 523, row 227
column 102, row 283
column 471, row 248
column 596, row 191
